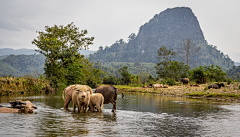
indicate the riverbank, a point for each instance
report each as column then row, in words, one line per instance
column 23, row 85
column 230, row 92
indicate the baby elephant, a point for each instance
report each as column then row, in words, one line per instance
column 96, row 99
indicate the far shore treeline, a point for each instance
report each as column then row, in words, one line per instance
column 177, row 53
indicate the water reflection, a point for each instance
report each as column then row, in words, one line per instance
column 136, row 115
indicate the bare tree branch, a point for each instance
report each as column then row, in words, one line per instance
column 188, row 50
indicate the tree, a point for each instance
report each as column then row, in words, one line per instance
column 167, row 68
column 164, row 58
column 176, row 70
column 210, row 73
column 215, row 73
column 63, row 64
column 126, row 76
column 188, row 50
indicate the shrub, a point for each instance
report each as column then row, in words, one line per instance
column 206, row 88
column 169, row 81
column 229, row 81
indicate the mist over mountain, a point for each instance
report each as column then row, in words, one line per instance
column 168, row 28
column 9, row 51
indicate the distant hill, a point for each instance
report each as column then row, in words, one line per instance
column 86, row 52
column 9, row 51
column 168, row 28
column 237, row 63
column 20, row 65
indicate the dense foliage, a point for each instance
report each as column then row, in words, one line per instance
column 166, row 68
column 169, row 29
column 63, row 64
column 207, row 73
column 134, row 68
column 234, row 73
column 20, row 65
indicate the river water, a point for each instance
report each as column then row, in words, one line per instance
column 136, row 115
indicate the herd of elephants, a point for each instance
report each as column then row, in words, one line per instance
column 83, row 98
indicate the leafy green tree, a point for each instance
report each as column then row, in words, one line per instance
column 176, row 70
column 166, row 68
column 215, row 73
column 164, row 58
column 63, row 63
column 199, row 74
column 208, row 73
column 126, row 76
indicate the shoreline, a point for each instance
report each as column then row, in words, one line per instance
column 229, row 93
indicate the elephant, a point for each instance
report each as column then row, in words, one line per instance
column 68, row 94
column 109, row 93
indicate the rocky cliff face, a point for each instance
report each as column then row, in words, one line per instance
column 169, row 28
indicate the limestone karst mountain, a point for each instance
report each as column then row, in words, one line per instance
column 168, row 28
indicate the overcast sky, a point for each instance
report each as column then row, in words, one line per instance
column 110, row 20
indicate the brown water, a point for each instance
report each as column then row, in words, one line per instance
column 136, row 115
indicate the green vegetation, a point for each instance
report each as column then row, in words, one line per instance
column 234, row 73
column 20, row 65
column 22, row 85
column 167, row 68
column 210, row 73
column 63, row 64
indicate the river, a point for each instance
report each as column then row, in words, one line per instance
column 136, row 115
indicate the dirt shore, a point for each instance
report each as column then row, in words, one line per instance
column 230, row 92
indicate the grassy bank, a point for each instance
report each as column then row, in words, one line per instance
column 23, row 85
column 230, row 92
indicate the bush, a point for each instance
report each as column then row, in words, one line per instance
column 169, row 81
column 229, row 81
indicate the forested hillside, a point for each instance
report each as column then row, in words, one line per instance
column 19, row 65
column 234, row 73
column 9, row 51
column 135, row 68
column 169, row 29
